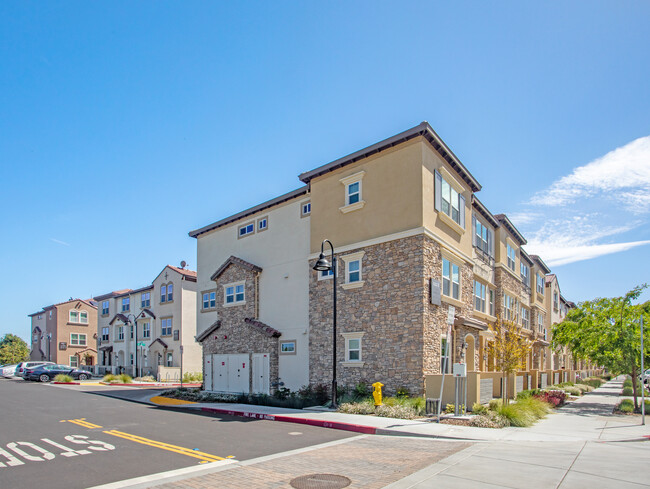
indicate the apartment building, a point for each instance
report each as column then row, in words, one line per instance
column 414, row 246
column 65, row 333
column 153, row 326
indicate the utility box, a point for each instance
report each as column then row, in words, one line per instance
column 459, row 370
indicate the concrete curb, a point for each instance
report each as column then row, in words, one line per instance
column 67, row 383
column 152, row 384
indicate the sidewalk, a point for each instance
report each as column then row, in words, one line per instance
column 572, row 448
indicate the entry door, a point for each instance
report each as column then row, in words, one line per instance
column 220, row 373
column 207, row 369
column 239, row 373
column 261, row 373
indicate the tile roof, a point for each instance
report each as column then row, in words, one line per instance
column 158, row 340
column 110, row 295
column 212, row 328
column 265, row 328
column 183, row 271
column 233, row 260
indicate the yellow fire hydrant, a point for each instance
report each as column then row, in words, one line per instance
column 377, row 393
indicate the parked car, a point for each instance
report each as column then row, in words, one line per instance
column 45, row 373
column 8, row 370
column 645, row 376
column 20, row 369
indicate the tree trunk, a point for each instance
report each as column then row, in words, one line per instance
column 504, row 387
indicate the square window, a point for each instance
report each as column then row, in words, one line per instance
column 246, row 229
column 288, row 347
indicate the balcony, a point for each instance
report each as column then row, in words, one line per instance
column 484, row 256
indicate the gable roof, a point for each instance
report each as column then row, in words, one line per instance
column 503, row 219
column 110, row 295
column 233, row 260
column 148, row 311
column 158, row 340
column 541, row 263
column 185, row 274
column 423, row 129
column 213, row 327
column 248, row 212
column 119, row 316
column 264, row 328
column 480, row 207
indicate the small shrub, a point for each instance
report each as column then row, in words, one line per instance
column 593, row 382
column 145, row 378
column 403, row 392
column 584, row 387
column 572, row 390
column 124, row 379
column 554, row 398
column 627, row 382
column 489, row 419
column 396, row 411
column 364, row 407
column 516, row 415
column 321, row 394
column 361, row 390
column 495, row 404
column 110, row 378
column 63, row 378
column 528, row 393
column 191, row 377
column 626, row 406
column 628, row 391
column 478, row 408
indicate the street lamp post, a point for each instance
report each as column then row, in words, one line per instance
column 49, row 347
column 323, row 265
column 135, row 328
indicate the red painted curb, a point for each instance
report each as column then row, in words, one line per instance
column 134, row 384
column 336, row 425
column 67, row 383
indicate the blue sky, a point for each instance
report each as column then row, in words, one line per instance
column 124, row 125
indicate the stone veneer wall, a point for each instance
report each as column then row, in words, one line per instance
column 504, row 281
column 435, row 317
column 241, row 337
column 388, row 308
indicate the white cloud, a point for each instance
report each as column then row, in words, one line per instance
column 622, row 175
column 58, row 241
column 522, row 218
column 569, row 240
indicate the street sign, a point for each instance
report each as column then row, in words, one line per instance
column 142, row 344
column 451, row 312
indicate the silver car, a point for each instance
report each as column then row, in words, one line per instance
column 8, row 370
column 20, row 368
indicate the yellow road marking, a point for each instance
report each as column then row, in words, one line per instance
column 166, row 446
column 83, row 423
column 166, row 401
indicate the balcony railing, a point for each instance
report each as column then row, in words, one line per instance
column 484, row 257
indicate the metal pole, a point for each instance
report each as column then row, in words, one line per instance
column 334, row 387
column 642, row 376
column 444, row 370
column 181, row 348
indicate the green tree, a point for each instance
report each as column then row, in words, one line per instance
column 607, row 332
column 13, row 349
column 509, row 348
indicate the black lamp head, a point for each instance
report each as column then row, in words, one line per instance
column 322, row 264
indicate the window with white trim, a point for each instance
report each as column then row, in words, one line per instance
column 146, row 330
column 491, row 303
column 287, row 347
column 77, row 339
column 262, row 224
column 74, row 361
column 450, row 279
column 525, row 318
column 483, row 237
column 234, row 294
column 480, row 296
column 163, row 293
column 524, row 272
column 353, row 347
column 512, row 256
column 352, row 193
column 74, row 317
column 166, row 327
column 246, row 229
column 120, row 332
column 131, row 358
column 170, row 360
column 556, row 302
column 126, row 304
column 540, row 284
column 540, row 322
column 209, row 300
column 131, row 332
column 353, row 271
column 305, row 209
column 145, row 299
column 83, row 317
column 170, row 292
column 105, row 305
column 105, row 334
column 449, row 200
column 509, row 307
column 322, row 274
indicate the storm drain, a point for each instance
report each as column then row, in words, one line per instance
column 320, row 481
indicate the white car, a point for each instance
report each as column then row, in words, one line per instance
column 645, row 377
column 8, row 370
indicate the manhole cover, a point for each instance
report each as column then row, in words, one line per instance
column 320, row 481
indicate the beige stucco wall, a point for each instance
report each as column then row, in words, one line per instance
column 281, row 251
column 66, row 328
column 391, row 189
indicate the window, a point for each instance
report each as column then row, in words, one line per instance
column 353, row 348
column 120, row 332
column 209, row 300
column 40, row 317
column 177, row 335
column 170, row 360
column 482, row 237
column 444, row 357
column 77, row 339
column 556, row 302
column 126, row 304
column 353, row 193
column 105, row 308
column 491, row 302
column 353, row 271
column 525, row 317
column 540, row 284
column 450, row 279
column 105, row 334
column 163, row 293
column 131, row 358
column 512, row 256
column 540, row 322
column 166, row 327
column 146, row 330
column 74, row 317
column 74, row 361
column 325, row 274
column 50, row 314
column 525, row 274
column 170, row 292
column 246, row 229
column 479, row 296
column 262, row 224
column 509, row 308
column 449, row 200
column 305, row 209
column 288, row 347
column 145, row 299
column 131, row 332
column 83, row 317
column 234, row 293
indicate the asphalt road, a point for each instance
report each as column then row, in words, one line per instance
column 53, row 437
